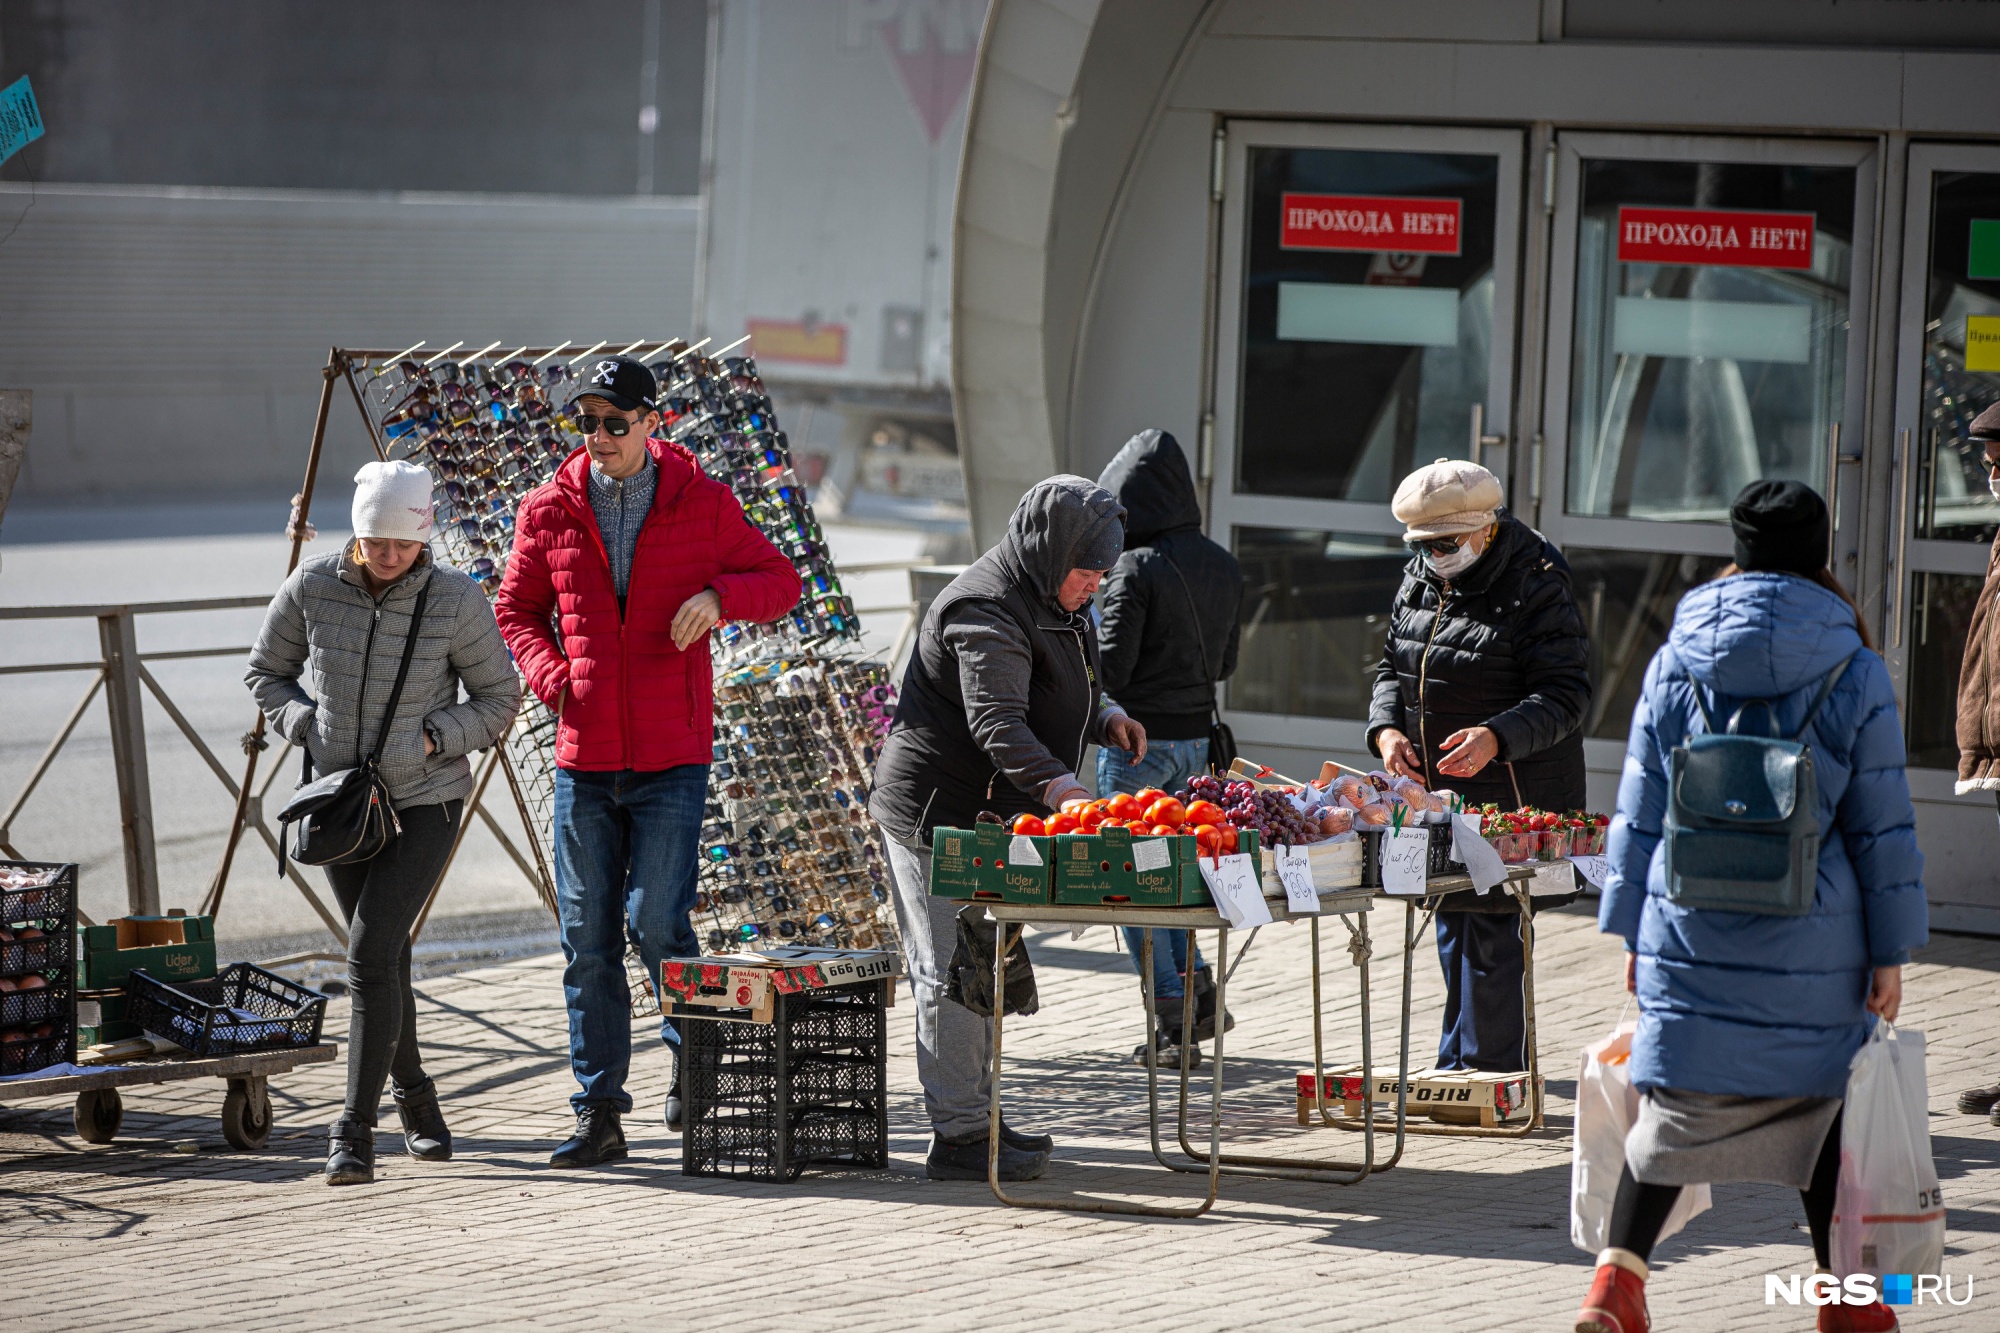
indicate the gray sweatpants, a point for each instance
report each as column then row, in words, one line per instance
column 954, row 1045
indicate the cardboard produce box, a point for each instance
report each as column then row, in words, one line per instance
column 170, row 948
column 985, row 863
column 752, row 980
column 1118, row 869
column 1448, row 1096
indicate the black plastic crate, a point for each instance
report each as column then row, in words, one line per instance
column 51, row 951
column 810, row 1088
column 26, row 1056
column 40, row 904
column 1441, row 859
column 1371, row 857
column 242, row 1008
column 48, row 1004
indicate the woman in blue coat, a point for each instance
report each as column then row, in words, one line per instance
column 1747, row 1021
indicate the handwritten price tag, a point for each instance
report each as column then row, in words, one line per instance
column 1233, row 884
column 1295, row 873
column 1406, row 860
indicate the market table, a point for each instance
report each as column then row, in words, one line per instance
column 1215, row 1163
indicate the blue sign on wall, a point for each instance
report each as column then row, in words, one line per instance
column 20, row 118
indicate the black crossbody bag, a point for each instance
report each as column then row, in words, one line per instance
column 1221, row 740
column 345, row 816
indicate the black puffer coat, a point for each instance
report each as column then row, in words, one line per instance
column 1156, row 629
column 1503, row 647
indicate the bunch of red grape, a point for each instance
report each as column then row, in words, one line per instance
column 1248, row 806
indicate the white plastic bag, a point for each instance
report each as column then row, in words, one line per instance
column 1889, row 1215
column 1606, row 1105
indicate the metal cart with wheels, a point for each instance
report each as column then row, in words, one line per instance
column 246, row 1105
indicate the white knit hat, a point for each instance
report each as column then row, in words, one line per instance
column 393, row 501
column 1446, row 499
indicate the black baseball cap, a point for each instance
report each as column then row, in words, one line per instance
column 624, row 383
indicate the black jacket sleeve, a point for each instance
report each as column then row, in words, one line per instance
column 1553, row 650
column 1122, row 625
column 1385, row 702
column 1235, row 632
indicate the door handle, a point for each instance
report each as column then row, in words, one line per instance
column 1480, row 439
column 1901, row 585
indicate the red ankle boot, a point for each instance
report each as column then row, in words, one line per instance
column 1617, row 1299
column 1873, row 1318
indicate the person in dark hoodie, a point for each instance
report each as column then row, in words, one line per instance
column 999, row 701
column 1169, row 634
column 1481, row 689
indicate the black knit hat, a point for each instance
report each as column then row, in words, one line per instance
column 1985, row 426
column 1780, row 526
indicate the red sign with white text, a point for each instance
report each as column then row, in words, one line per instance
column 1370, row 222
column 1731, row 237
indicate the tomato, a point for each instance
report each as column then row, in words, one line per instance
column 1030, row 826
column 1166, row 810
column 1075, row 804
column 1208, row 838
column 1124, row 806
column 1205, row 812
column 1229, row 840
column 1062, row 823
column 1145, row 796
column 1089, row 820
column 1164, row 830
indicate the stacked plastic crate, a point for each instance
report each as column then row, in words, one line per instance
column 37, row 965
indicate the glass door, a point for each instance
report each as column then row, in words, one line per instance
column 1702, row 297
column 1948, row 373
column 1366, row 327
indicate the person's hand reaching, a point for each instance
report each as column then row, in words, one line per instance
column 1128, row 735
column 1398, row 755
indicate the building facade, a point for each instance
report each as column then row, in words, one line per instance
column 1630, row 257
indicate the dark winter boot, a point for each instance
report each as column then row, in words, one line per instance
column 424, row 1131
column 1202, row 981
column 1169, row 1012
column 350, row 1153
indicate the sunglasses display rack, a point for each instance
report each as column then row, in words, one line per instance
column 788, row 855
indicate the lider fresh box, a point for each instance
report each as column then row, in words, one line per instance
column 1115, row 868
column 980, row 863
column 170, row 948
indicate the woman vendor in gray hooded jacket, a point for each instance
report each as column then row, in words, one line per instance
column 998, row 704
column 322, row 672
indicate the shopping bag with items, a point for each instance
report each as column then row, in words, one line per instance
column 1606, row 1105
column 1888, row 1216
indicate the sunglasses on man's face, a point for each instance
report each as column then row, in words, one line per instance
column 616, row 427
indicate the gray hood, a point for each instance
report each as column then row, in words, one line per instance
column 1066, row 522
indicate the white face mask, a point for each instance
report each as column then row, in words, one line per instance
column 1451, row 566
column 1993, row 485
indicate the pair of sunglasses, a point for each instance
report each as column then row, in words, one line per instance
column 616, row 427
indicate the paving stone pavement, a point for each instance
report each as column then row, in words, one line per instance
column 169, row 1229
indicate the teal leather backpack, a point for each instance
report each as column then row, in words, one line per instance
column 1742, row 824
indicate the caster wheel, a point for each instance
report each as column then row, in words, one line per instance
column 246, row 1114
column 99, row 1112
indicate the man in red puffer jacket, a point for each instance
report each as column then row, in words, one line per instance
column 621, row 565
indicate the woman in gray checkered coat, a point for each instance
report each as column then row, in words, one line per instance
column 322, row 672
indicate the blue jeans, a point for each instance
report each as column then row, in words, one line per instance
column 1167, row 765
column 626, row 848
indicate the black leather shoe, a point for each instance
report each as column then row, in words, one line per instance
column 1170, row 1051
column 1979, row 1101
column 1204, row 1006
column 1013, row 1138
column 424, row 1130
column 598, row 1138
column 676, row 1109
column 965, row 1159
column 350, row 1153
